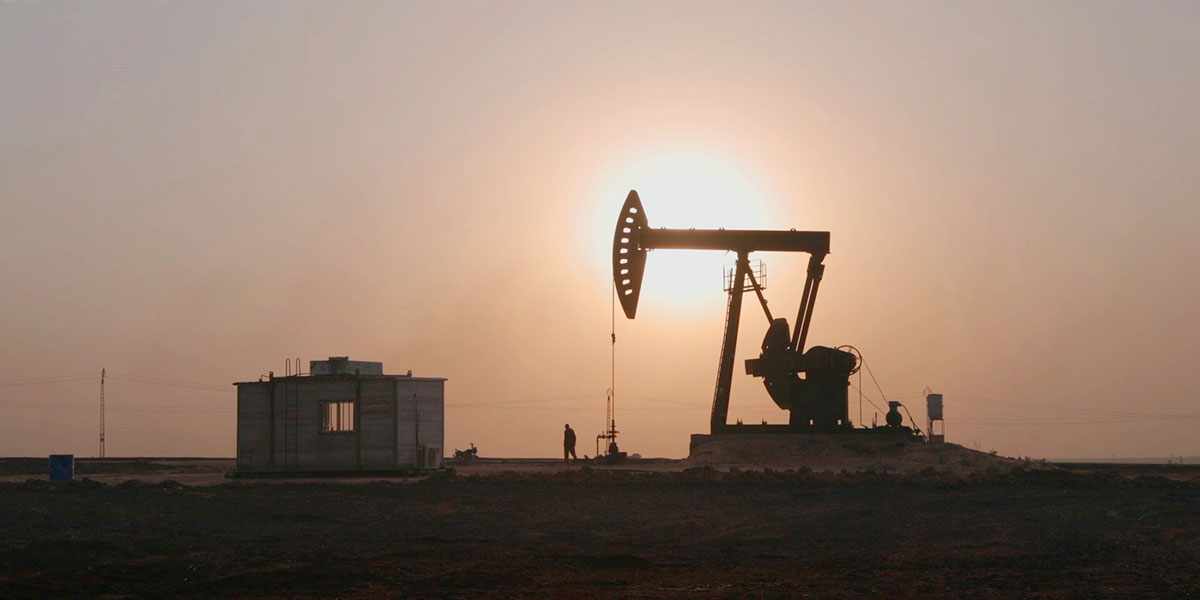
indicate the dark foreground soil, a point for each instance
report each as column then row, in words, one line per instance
column 582, row 533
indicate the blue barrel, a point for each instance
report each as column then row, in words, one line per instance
column 62, row 467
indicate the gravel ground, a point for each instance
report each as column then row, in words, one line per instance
column 580, row 532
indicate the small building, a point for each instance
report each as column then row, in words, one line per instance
column 343, row 415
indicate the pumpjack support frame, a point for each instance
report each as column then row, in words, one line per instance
column 818, row 400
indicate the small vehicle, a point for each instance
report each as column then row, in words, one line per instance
column 468, row 455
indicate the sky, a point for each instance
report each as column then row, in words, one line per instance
column 193, row 193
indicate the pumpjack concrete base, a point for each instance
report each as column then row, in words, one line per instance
column 759, row 435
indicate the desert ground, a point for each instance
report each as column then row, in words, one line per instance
column 953, row 523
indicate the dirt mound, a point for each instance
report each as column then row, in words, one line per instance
column 854, row 455
column 1021, row 475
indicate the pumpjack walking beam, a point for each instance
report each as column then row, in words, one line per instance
column 633, row 237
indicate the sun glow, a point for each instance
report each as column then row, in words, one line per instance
column 688, row 188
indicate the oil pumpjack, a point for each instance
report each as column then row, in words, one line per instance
column 811, row 384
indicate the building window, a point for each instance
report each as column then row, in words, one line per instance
column 337, row 417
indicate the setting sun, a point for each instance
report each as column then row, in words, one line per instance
column 691, row 188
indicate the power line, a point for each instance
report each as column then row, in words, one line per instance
column 171, row 382
column 521, row 404
column 1133, row 415
column 104, row 405
column 502, row 403
column 119, row 406
column 662, row 400
column 1067, row 407
column 48, row 380
column 117, row 376
column 1026, row 423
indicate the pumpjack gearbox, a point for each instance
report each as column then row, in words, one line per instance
column 810, row 385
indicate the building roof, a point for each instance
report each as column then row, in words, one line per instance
column 341, row 377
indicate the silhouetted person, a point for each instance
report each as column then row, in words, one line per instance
column 569, row 444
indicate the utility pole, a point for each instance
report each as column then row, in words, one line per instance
column 102, row 413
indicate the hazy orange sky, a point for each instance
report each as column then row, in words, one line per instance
column 193, row 192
